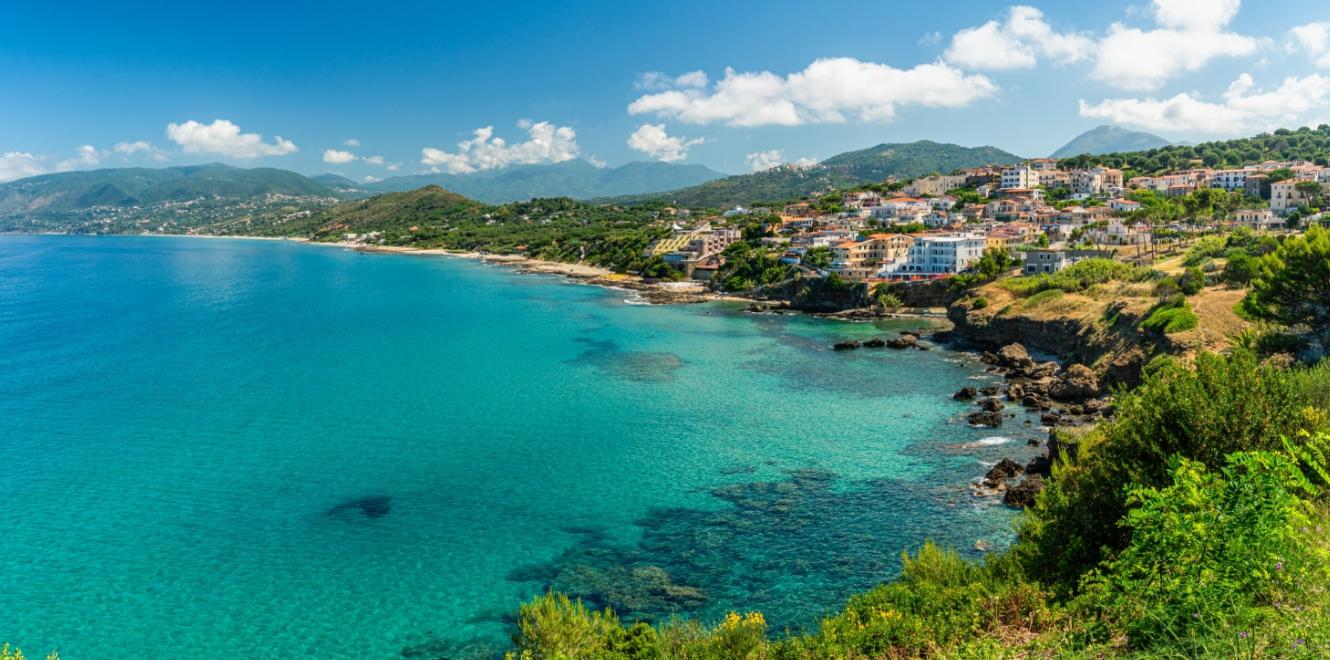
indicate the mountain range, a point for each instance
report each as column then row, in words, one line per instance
column 1109, row 140
column 142, row 186
column 578, row 179
column 871, row 165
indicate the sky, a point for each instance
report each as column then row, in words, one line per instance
column 375, row 90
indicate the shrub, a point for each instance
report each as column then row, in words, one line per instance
column 1220, row 406
column 552, row 626
column 1171, row 316
column 1208, row 548
column 939, row 600
column 1240, row 269
column 1078, row 277
column 1191, row 281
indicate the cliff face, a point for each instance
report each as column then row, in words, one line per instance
column 816, row 294
column 1099, row 329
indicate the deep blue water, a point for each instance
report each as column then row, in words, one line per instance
column 282, row 450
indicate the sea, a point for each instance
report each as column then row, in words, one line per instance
column 270, row 449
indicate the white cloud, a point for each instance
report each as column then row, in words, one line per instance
column 337, row 157
column 1192, row 34
column 546, row 143
column 374, row 160
column 1016, row 43
column 85, row 156
column 128, row 149
column 1241, row 110
column 599, row 163
column 392, row 167
column 1313, row 40
column 18, row 165
column 658, row 80
column 351, row 142
column 1195, row 15
column 224, row 138
column 370, row 178
column 652, row 140
column 764, row 160
column 825, row 92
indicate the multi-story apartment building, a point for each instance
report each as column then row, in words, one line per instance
column 1020, row 176
column 943, row 254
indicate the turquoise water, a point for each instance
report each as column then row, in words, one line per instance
column 285, row 450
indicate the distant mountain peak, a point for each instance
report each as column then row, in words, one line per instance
column 1107, row 139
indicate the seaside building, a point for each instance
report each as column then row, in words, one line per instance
column 946, row 254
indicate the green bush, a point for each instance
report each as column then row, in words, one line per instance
column 1078, row 277
column 1191, row 281
column 1207, row 549
column 1171, row 316
column 1241, row 267
column 1222, row 405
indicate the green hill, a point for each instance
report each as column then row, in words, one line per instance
column 139, row 186
column 914, row 159
column 578, row 179
column 558, row 229
column 874, row 164
column 1284, row 144
column 1109, row 139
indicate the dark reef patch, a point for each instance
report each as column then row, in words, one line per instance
column 633, row 366
column 376, row 506
column 793, row 549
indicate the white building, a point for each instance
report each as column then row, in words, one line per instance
column 1230, row 180
column 1020, row 176
column 943, row 254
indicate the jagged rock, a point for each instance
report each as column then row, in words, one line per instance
column 981, row 545
column 875, row 342
column 1022, row 495
column 1050, row 419
column 989, row 358
column 989, row 390
column 904, row 341
column 1015, row 392
column 965, row 394
column 846, row 345
column 991, row 404
column 1040, row 465
column 1078, row 382
column 1013, row 356
column 1033, row 442
column 986, row 418
column 909, row 333
column 1005, row 469
column 1043, row 370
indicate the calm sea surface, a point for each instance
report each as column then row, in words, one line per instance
column 271, row 449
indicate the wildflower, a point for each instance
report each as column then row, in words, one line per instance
column 1299, row 642
column 1242, row 635
column 1279, row 566
column 1196, row 615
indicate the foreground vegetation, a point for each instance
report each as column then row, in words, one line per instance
column 1191, row 524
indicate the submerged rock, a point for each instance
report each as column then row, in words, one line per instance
column 876, row 342
column 991, row 404
column 1005, row 469
column 846, row 345
column 986, row 418
column 965, row 394
column 1022, row 495
column 376, row 506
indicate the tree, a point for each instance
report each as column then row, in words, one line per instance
column 1292, row 284
column 885, row 298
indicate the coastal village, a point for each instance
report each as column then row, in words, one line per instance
column 1045, row 216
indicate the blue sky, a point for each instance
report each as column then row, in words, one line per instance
column 155, row 84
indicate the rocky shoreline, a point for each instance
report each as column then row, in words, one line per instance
column 1065, row 397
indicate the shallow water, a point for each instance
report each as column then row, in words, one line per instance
column 284, row 450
